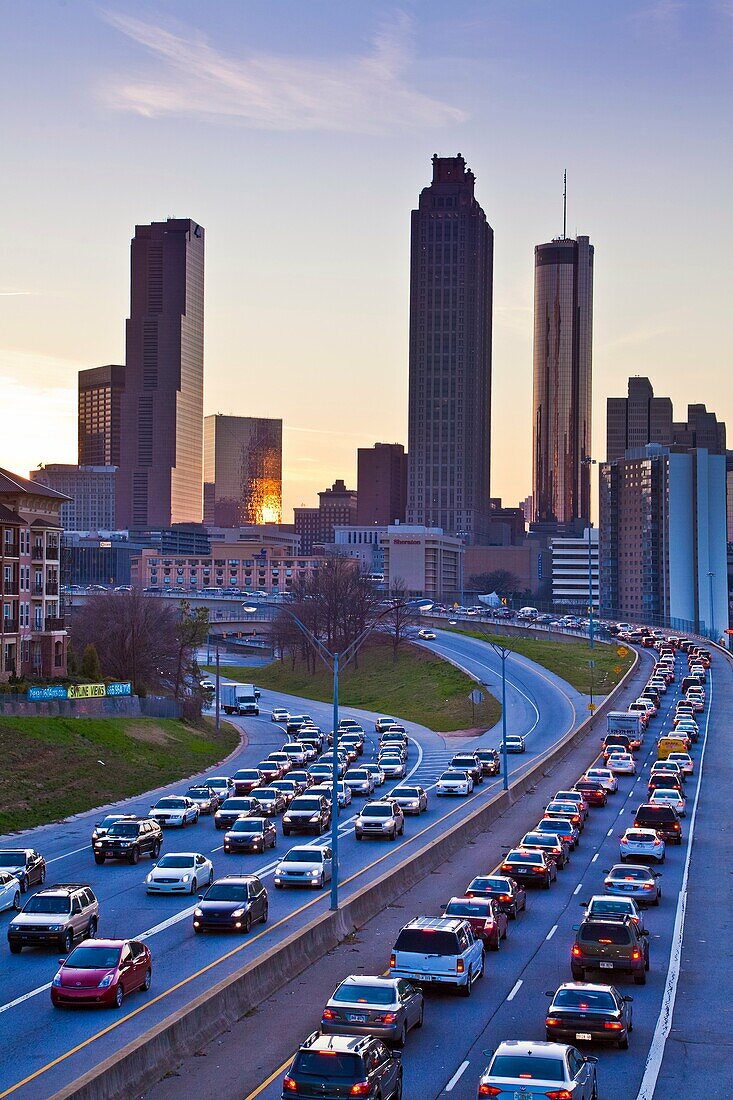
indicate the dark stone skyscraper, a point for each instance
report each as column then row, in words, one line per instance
column 451, row 285
column 161, row 450
column 563, row 337
column 100, row 404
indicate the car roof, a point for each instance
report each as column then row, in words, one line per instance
column 615, row 898
column 235, row 879
column 348, row 1043
column 437, row 924
column 99, row 942
column 536, row 1046
column 373, row 980
column 585, row 987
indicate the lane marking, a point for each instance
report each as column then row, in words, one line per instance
column 457, row 1076
column 268, row 1080
column 66, row 854
column 515, row 989
column 25, row 997
column 551, row 933
column 578, row 888
column 595, row 857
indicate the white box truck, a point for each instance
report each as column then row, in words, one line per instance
column 238, row 699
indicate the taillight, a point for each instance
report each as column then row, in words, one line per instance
column 576, row 952
column 459, row 966
column 289, row 1085
column 392, row 961
column 488, row 1090
column 636, row 954
column 552, row 1021
column 539, row 870
column 360, row 1088
column 612, row 1025
column 388, row 1018
column 329, row 1014
column 559, row 1094
column 504, row 897
column 488, row 925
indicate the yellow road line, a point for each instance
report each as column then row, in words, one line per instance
column 268, row 1080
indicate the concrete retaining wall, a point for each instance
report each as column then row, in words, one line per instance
column 17, row 706
column 142, row 1062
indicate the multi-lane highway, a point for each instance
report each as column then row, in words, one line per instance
column 689, row 971
column 46, row 1048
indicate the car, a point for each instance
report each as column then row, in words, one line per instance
column 223, row 785
column 509, row 895
column 180, row 873
column 381, row 817
column 295, row 722
column 468, row 762
column 360, row 781
column 205, row 798
column 308, row 749
column 641, row 843
column 589, row 1013
column 668, row 767
column 663, row 819
column 489, row 760
column 577, row 798
column 233, row 808
column 683, row 760
column 520, row 1070
column 271, row 801
column 560, row 826
column 551, row 844
column 101, row 827
column 613, row 907
column 394, row 767
column 25, row 864
column 311, row 746
column 231, row 904
column 175, row 810
column 615, row 945
column 605, row 777
column 622, row 763
column 381, row 1006
column 438, row 951
column 279, row 714
column 250, row 834
column 304, row 866
column 384, row 723
column 593, row 791
column 454, row 781
column 321, row 773
column 530, row 866
column 207, row 685
column 377, row 773
column 57, row 915
column 352, row 743
column 344, row 1065
column 427, row 635
column 488, row 921
column 301, row 778
column 634, row 880
column 246, row 779
column 411, row 800
column 569, row 810
column 129, row 840
column 281, row 758
column 309, row 812
column 514, row 743
column 102, row 972
column 669, row 796
column 9, row 891
column 327, row 761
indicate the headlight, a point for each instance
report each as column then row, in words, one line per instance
column 186, row 878
column 55, row 927
column 287, row 817
column 238, row 913
column 198, row 913
column 14, row 928
column 315, row 818
column 107, row 980
column 149, row 878
column 57, row 980
column 315, row 873
column 97, row 843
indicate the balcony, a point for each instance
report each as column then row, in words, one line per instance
column 9, row 626
column 52, row 588
column 37, row 590
column 10, row 588
column 52, row 552
column 54, row 624
column 38, row 551
column 11, row 549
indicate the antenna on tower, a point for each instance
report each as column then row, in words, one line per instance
column 564, row 204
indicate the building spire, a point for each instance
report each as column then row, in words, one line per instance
column 564, row 204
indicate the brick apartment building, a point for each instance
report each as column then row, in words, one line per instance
column 33, row 641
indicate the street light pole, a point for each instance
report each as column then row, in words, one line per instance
column 712, row 613
column 218, row 691
column 335, row 790
column 590, row 585
column 503, row 718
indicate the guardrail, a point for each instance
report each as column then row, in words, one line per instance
column 143, row 1061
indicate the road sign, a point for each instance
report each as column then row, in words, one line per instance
column 503, row 600
column 618, row 670
column 591, row 707
column 591, row 664
column 476, row 696
column 621, row 651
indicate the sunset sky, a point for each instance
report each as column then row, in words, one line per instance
column 300, row 135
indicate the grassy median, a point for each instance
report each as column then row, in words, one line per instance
column 569, row 660
column 418, row 687
column 54, row 767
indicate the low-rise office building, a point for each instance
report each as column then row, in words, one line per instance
column 423, row 561
column 256, row 566
column 573, row 560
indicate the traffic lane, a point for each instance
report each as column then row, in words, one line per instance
column 274, row 1031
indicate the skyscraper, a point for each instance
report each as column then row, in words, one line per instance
column 451, row 286
column 563, row 333
column 160, row 476
column 641, row 418
column 243, row 463
column 100, row 411
column 381, row 484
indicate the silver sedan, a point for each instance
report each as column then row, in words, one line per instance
column 634, row 880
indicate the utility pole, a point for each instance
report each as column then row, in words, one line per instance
column 218, row 703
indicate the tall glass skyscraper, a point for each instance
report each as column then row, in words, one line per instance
column 563, row 338
column 451, row 286
column 161, row 447
column 243, row 470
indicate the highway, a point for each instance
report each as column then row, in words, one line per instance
column 676, row 1036
column 45, row 1048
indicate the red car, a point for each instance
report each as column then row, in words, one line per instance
column 102, row 972
column 487, row 920
column 595, row 794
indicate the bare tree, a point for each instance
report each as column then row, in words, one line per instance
column 400, row 622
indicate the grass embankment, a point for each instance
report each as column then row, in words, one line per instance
column 51, row 766
column 417, row 687
column 568, row 660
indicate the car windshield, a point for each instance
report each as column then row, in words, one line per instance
column 500, row 885
column 301, row 855
column 358, row 774
column 427, row 941
column 93, row 958
column 523, row 857
column 547, row 840
column 365, row 994
column 617, row 934
column 122, row 829
column 107, row 821
column 665, row 792
column 247, row 773
column 266, row 794
column 468, row 909
column 47, row 904
column 617, row 907
column 527, row 1067
column 225, row 891
column 636, row 874
column 405, row 792
column 453, row 775
column 170, row 804
column 313, row 805
column 377, row 811
column 328, row 1065
column 585, row 998
column 638, row 835
column 197, row 792
column 177, row 861
column 248, row 825
column 237, row 803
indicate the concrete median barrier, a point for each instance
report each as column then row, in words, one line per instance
column 144, row 1061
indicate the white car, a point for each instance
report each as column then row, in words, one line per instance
column 427, row 635
column 306, row 866
column 605, row 777
column 641, row 842
column 223, row 785
column 175, row 809
column 180, row 873
column 393, row 766
column 668, row 796
column 613, row 907
column 514, row 743
column 9, row 891
column 621, row 763
column 454, row 781
column 376, row 773
column 279, row 714
column 685, row 761
column 343, row 793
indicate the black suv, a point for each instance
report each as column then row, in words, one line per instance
column 129, row 840
column 331, row 1066
column 610, row 945
column 664, row 819
column 489, row 761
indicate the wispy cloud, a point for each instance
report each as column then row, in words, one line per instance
column 15, row 293
column 367, row 94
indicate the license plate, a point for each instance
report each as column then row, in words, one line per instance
column 606, row 966
column 356, row 1018
column 521, row 1095
column 416, row 977
column 586, row 1035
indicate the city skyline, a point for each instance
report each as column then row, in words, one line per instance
column 448, row 84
